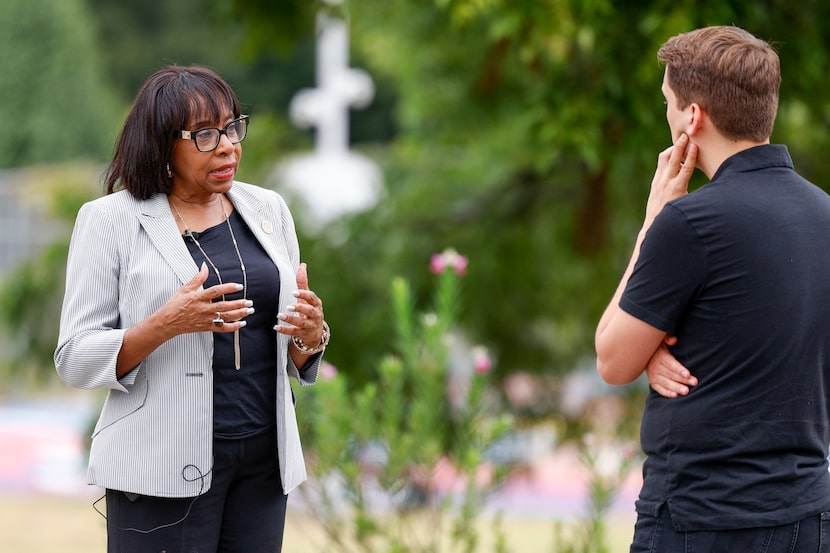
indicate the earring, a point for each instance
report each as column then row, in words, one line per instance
column 169, row 172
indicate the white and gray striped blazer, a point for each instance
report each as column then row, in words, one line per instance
column 155, row 433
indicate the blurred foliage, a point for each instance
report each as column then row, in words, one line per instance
column 395, row 451
column 140, row 36
column 55, row 101
column 523, row 132
column 527, row 135
column 30, row 295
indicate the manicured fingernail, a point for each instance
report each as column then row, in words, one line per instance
column 242, row 323
column 296, row 293
column 249, row 303
column 238, row 286
column 291, row 307
column 282, row 316
column 250, row 310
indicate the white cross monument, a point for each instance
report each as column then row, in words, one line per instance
column 333, row 180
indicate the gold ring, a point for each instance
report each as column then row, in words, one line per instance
column 218, row 321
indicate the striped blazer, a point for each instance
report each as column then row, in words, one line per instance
column 155, row 432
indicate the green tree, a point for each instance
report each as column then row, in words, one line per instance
column 54, row 101
column 528, row 133
column 140, row 36
column 525, row 133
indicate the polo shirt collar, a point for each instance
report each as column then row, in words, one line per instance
column 764, row 156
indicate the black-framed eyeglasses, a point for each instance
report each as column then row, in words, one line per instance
column 207, row 139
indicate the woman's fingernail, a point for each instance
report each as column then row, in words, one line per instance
column 296, row 293
column 249, row 303
column 242, row 323
column 292, row 307
column 282, row 316
column 238, row 286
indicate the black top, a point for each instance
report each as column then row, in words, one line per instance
column 739, row 271
column 244, row 401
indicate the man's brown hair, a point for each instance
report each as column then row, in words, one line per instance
column 731, row 74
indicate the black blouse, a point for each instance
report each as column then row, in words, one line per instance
column 244, row 400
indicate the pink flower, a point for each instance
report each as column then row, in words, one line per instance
column 449, row 258
column 437, row 264
column 481, row 360
column 521, row 389
column 327, row 371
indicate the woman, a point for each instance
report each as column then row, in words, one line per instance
column 186, row 299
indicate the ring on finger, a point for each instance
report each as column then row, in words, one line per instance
column 218, row 321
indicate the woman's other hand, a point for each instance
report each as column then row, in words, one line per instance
column 305, row 319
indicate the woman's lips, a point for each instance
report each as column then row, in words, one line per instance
column 225, row 171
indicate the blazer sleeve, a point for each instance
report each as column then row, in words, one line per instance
column 308, row 375
column 90, row 337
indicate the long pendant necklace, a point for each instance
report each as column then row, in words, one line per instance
column 236, row 350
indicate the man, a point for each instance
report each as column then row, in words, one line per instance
column 736, row 278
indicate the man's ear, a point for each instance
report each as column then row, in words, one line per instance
column 695, row 122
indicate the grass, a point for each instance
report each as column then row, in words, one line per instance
column 38, row 524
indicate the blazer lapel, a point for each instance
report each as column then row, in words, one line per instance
column 157, row 220
column 267, row 227
column 259, row 219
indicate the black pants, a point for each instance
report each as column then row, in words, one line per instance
column 243, row 512
column 656, row 535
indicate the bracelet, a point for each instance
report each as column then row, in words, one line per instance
column 307, row 350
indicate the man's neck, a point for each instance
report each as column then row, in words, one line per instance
column 716, row 149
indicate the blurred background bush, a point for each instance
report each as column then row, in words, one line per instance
column 523, row 133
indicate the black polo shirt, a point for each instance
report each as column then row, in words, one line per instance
column 739, row 271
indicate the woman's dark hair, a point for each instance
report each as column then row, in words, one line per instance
column 168, row 100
